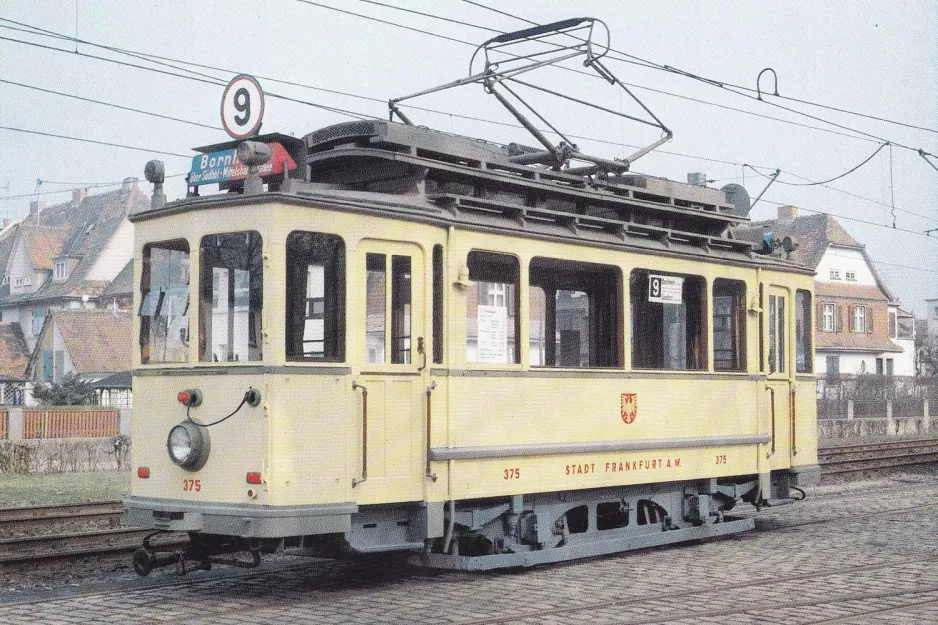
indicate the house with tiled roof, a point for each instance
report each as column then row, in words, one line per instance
column 859, row 326
column 91, row 344
column 66, row 255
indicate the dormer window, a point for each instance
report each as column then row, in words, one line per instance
column 851, row 275
column 835, row 274
column 60, row 270
column 22, row 281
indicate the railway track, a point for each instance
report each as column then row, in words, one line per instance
column 48, row 532
column 869, row 457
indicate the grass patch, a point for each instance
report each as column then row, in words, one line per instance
column 62, row 488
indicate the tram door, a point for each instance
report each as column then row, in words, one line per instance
column 779, row 367
column 393, row 370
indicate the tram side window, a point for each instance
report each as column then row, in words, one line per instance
column 376, row 312
column 438, row 304
column 232, row 297
column 492, row 331
column 668, row 331
column 315, row 295
column 776, row 334
column 803, row 332
column 729, row 325
column 574, row 304
column 164, row 308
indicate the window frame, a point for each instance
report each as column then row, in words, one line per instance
column 860, row 312
column 804, row 335
column 330, row 250
column 834, row 274
column 255, row 296
column 601, row 286
column 146, row 287
column 696, row 343
column 825, row 307
column 489, row 263
column 736, row 291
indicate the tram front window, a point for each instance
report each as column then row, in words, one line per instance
column 164, row 308
column 315, row 296
column 232, row 297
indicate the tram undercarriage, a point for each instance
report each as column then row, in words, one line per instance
column 520, row 531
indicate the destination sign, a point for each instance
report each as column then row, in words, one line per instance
column 224, row 166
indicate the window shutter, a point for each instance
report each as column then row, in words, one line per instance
column 819, row 315
column 838, row 318
column 869, row 319
column 852, row 318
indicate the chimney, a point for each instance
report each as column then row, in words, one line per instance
column 78, row 195
column 787, row 213
column 35, row 207
column 128, row 184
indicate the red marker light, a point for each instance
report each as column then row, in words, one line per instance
column 143, row 472
column 191, row 397
column 254, row 477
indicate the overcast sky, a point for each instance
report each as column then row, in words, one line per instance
column 875, row 58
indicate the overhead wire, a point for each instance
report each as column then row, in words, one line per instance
column 721, row 84
column 110, row 104
column 591, row 75
column 343, row 111
column 85, row 140
column 221, row 83
column 636, row 60
column 76, row 185
column 824, row 182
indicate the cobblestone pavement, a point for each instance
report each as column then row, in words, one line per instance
column 864, row 552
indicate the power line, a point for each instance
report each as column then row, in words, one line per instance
column 221, row 83
column 859, row 197
column 633, row 85
column 824, row 182
column 77, row 185
column 84, row 140
column 673, row 70
column 884, row 263
column 150, row 57
column 110, row 104
column 856, row 219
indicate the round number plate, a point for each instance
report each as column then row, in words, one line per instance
column 242, row 106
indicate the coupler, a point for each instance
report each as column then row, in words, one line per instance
column 200, row 555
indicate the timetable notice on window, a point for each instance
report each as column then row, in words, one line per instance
column 493, row 334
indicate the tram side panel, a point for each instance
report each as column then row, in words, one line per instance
column 511, row 417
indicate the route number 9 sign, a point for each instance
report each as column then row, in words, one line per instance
column 665, row 289
column 242, row 106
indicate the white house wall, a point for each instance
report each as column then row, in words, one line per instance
column 843, row 260
column 115, row 255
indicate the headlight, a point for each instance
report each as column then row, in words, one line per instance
column 188, row 445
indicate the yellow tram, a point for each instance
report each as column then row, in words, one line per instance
column 385, row 338
column 446, row 353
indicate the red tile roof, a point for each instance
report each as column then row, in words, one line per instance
column 98, row 341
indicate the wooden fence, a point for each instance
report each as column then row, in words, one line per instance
column 78, row 422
